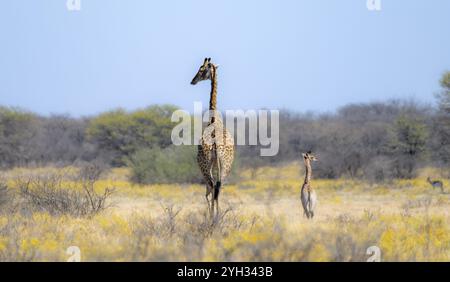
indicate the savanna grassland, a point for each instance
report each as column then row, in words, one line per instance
column 261, row 220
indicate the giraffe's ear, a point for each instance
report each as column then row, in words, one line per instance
column 217, row 66
column 303, row 155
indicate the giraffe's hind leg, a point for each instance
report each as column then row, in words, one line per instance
column 216, row 193
column 207, row 177
column 312, row 203
column 209, row 195
column 305, row 202
column 217, row 213
column 208, row 201
column 211, row 211
column 308, row 214
column 215, row 209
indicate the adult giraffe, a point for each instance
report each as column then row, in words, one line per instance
column 216, row 150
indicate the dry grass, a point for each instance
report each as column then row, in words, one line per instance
column 261, row 220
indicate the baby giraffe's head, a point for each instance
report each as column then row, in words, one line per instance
column 309, row 156
column 205, row 72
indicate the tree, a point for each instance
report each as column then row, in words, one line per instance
column 119, row 134
column 17, row 131
column 407, row 144
column 442, row 121
column 61, row 139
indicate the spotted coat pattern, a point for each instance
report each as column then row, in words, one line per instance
column 213, row 151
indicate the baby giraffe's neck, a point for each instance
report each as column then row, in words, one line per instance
column 308, row 171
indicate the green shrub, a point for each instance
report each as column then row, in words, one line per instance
column 174, row 164
column 119, row 134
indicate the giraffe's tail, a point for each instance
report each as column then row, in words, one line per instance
column 219, row 177
column 217, row 190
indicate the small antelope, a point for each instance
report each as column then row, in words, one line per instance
column 436, row 184
column 308, row 195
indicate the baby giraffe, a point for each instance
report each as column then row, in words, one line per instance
column 308, row 195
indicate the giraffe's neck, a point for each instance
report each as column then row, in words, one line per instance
column 307, row 171
column 213, row 96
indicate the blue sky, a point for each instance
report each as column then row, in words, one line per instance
column 303, row 55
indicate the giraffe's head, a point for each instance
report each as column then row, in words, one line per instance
column 309, row 156
column 205, row 71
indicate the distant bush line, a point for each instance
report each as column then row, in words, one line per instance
column 376, row 141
